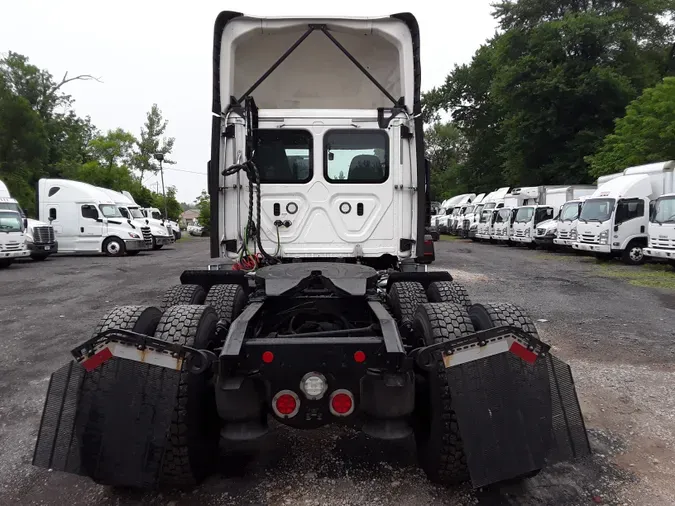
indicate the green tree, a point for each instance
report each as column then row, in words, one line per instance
column 540, row 95
column 445, row 148
column 172, row 204
column 204, row 206
column 645, row 134
column 152, row 141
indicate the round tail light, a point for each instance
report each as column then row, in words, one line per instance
column 341, row 403
column 286, row 404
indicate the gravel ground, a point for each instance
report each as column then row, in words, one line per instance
column 618, row 338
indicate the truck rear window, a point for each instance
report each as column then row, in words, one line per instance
column 283, row 156
column 356, row 156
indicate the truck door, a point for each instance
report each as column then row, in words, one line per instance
column 630, row 221
column 91, row 229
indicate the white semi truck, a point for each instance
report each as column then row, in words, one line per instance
column 40, row 239
column 87, row 220
column 614, row 220
column 12, row 237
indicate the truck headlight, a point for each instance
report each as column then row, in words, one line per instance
column 134, row 236
column 573, row 234
column 602, row 238
column 527, row 232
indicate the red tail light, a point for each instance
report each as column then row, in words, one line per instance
column 341, row 403
column 286, row 404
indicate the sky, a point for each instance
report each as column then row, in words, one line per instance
column 146, row 51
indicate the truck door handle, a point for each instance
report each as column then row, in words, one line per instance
column 642, row 229
column 82, row 229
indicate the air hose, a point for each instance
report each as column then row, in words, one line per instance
column 252, row 227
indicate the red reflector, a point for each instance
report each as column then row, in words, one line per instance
column 267, row 357
column 342, row 403
column 286, row 404
column 92, row 363
column 519, row 350
column 359, row 356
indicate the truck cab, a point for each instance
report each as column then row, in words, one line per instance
column 40, row 239
column 87, row 220
column 567, row 222
column 12, row 237
column 614, row 220
column 526, row 220
column 662, row 229
column 502, row 225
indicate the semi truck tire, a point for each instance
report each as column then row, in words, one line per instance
column 192, row 442
column 114, row 247
column 448, row 291
column 99, row 382
column 439, row 443
column 182, row 294
column 404, row 297
column 228, row 300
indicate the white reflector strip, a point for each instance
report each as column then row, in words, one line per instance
column 494, row 346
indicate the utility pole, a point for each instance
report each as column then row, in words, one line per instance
column 160, row 158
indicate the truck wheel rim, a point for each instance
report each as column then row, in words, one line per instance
column 636, row 254
column 113, row 248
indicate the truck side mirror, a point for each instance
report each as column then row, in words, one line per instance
column 25, row 223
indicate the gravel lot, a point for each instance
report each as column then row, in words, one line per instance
column 618, row 338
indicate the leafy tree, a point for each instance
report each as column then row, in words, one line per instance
column 152, row 141
column 540, row 95
column 172, row 205
column 204, row 206
column 445, row 147
column 645, row 134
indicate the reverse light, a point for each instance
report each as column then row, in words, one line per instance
column 286, row 404
column 313, row 385
column 341, row 402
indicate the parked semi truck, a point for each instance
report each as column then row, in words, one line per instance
column 614, row 220
column 40, row 238
column 87, row 220
column 318, row 307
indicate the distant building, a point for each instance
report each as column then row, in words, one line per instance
column 188, row 217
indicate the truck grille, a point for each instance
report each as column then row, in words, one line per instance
column 12, row 246
column 563, row 234
column 520, row 233
column 147, row 235
column 590, row 238
column 43, row 235
column 662, row 243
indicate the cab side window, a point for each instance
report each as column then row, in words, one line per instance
column 90, row 212
column 629, row 209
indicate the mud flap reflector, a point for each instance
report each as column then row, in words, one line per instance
column 503, row 407
column 110, row 423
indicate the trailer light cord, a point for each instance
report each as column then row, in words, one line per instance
column 253, row 229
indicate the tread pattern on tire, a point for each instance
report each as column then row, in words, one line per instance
column 505, row 313
column 448, row 291
column 179, row 325
column 448, row 321
column 404, row 298
column 223, row 298
column 181, row 295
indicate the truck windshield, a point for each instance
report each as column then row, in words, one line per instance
column 485, row 216
column 10, row 222
column 570, row 211
column 597, row 210
column 455, row 211
column 489, row 206
column 136, row 212
column 469, row 210
column 110, row 211
column 124, row 212
column 664, row 210
column 524, row 214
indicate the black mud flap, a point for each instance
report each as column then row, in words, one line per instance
column 109, row 424
column 515, row 417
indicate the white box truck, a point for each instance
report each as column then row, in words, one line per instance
column 494, row 200
column 87, row 220
column 614, row 220
column 556, row 197
column 40, row 239
column 662, row 229
column 12, row 237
